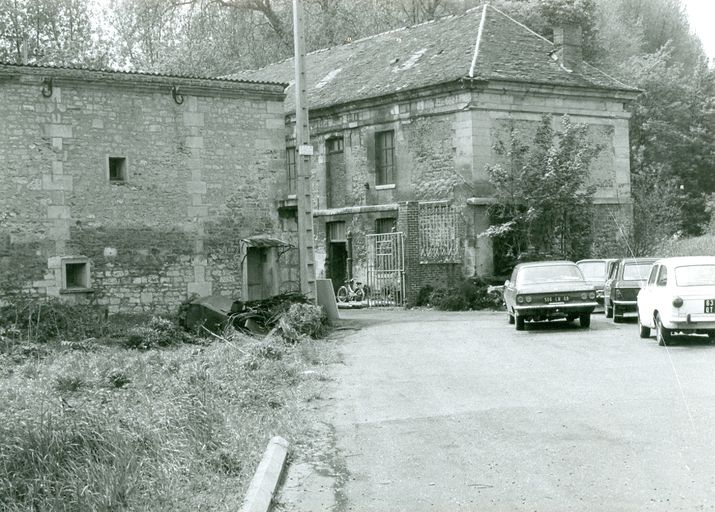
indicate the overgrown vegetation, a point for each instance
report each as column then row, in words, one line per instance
column 146, row 417
column 543, row 195
column 470, row 294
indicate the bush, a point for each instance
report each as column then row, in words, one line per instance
column 469, row 294
column 160, row 332
column 302, row 320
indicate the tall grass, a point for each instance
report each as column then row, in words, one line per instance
column 174, row 429
column 696, row 246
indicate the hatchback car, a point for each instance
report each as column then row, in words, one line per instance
column 622, row 286
column 596, row 271
column 548, row 290
column 678, row 297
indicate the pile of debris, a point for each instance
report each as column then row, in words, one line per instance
column 214, row 312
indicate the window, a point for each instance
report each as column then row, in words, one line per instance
column 291, row 170
column 117, row 169
column 663, row 276
column 653, row 274
column 385, row 158
column 75, row 274
column 334, row 145
column 383, row 226
column 335, row 231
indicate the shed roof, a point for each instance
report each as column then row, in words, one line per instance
column 439, row 51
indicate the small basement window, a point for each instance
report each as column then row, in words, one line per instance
column 117, row 169
column 75, row 274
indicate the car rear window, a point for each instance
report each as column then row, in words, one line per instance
column 593, row 269
column 549, row 274
column 695, row 275
column 636, row 271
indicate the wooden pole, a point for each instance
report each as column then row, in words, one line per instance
column 302, row 161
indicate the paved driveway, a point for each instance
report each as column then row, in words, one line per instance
column 459, row 411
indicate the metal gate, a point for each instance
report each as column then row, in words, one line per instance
column 386, row 269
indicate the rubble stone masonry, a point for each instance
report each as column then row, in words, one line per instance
column 145, row 191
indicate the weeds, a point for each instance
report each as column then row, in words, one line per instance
column 97, row 427
column 469, row 294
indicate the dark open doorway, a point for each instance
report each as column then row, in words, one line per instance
column 338, row 263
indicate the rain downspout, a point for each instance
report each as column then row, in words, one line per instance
column 479, row 39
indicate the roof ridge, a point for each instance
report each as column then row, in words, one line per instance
column 609, row 76
column 478, row 41
column 519, row 23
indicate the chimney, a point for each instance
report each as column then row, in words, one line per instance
column 569, row 39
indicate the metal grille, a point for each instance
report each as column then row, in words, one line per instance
column 439, row 233
column 386, row 269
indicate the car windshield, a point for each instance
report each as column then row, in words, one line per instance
column 636, row 271
column 695, row 275
column 593, row 269
column 548, row 274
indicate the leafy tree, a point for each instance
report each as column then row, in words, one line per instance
column 54, row 32
column 543, row 195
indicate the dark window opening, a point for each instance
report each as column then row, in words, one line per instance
column 387, row 225
column 117, row 169
column 334, row 145
column 291, row 170
column 385, row 158
column 76, row 275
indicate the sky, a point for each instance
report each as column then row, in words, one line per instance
column 701, row 16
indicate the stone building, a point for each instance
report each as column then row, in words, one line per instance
column 134, row 191
column 403, row 125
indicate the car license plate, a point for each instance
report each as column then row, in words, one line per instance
column 555, row 299
column 710, row 305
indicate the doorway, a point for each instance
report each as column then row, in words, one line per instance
column 336, row 267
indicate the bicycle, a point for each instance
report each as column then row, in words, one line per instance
column 352, row 290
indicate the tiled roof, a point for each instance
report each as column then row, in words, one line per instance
column 435, row 52
column 85, row 72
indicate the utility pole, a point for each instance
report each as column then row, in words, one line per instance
column 302, row 162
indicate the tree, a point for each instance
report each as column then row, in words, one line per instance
column 51, row 32
column 543, row 196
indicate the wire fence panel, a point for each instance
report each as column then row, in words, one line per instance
column 386, row 269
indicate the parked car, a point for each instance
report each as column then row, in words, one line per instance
column 596, row 271
column 678, row 297
column 548, row 290
column 621, row 289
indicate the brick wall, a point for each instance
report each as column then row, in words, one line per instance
column 200, row 176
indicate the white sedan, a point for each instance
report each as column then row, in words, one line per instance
column 678, row 297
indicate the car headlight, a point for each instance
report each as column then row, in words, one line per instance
column 528, row 299
column 592, row 295
column 584, row 296
column 520, row 299
column 677, row 302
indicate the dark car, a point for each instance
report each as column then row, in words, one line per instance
column 624, row 282
column 596, row 271
column 548, row 290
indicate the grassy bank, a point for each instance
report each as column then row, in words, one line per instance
column 696, row 246
column 100, row 427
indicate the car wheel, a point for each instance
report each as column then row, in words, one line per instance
column 570, row 318
column 584, row 320
column 510, row 317
column 617, row 316
column 643, row 331
column 609, row 311
column 520, row 323
column 662, row 334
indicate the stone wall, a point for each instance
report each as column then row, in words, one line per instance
column 199, row 173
